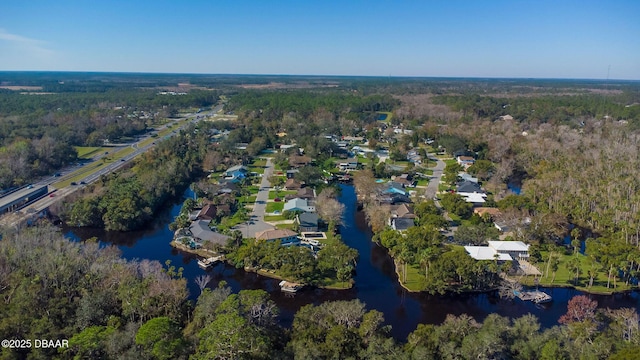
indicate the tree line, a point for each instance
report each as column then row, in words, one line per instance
column 109, row 307
column 126, row 200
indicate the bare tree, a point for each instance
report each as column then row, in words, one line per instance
column 202, row 282
column 330, row 209
column 366, row 186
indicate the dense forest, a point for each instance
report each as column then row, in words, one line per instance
column 113, row 309
column 39, row 130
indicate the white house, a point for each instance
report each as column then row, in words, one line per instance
column 298, row 204
column 465, row 161
column 500, row 250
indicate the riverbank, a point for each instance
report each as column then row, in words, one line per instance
column 205, row 253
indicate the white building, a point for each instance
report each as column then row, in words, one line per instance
column 500, row 250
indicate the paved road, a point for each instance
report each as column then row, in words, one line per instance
column 91, row 176
column 256, row 223
column 432, row 187
column 432, row 190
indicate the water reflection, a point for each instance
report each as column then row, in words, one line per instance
column 375, row 283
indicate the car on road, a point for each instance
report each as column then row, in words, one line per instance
column 277, row 199
column 82, row 183
column 121, row 159
column 74, row 183
column 52, row 195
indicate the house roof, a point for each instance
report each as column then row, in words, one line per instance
column 299, row 160
column 402, row 223
column 509, row 245
column 306, row 193
column 298, row 204
column 240, row 168
column 208, row 212
column 308, row 220
column 200, row 229
column 394, row 198
column 274, row 234
column 402, row 211
column 485, row 253
column 404, row 181
column 475, row 198
column 465, row 158
column 469, row 187
column 466, row 177
column 292, row 184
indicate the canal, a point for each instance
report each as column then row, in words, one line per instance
column 375, row 281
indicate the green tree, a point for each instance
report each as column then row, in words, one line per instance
column 482, row 169
column 161, row 338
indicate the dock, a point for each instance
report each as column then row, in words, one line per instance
column 290, row 287
column 208, row 262
column 536, row 296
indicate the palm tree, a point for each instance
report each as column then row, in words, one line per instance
column 573, row 265
column 592, row 272
column 575, row 234
column 426, row 256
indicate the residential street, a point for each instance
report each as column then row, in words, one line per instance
column 432, row 190
column 432, row 187
column 256, row 223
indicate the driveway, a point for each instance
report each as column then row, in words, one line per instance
column 256, row 223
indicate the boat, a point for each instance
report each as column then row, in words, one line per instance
column 208, row 262
column 537, row 297
column 290, row 287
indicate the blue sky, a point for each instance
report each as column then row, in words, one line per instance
column 526, row 39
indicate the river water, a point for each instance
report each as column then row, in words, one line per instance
column 375, row 282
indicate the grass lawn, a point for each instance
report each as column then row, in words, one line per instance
column 429, row 163
column 281, row 193
column 422, row 182
column 253, row 189
column 451, row 161
column 328, row 283
column 285, row 226
column 86, row 170
column 247, row 199
column 87, row 152
column 564, row 277
column 146, row 142
column 258, row 166
column 274, row 206
column 80, row 174
column 415, row 277
column 363, row 160
column 274, row 218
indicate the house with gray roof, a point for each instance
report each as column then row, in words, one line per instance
column 307, row 222
column 401, row 224
column 201, row 232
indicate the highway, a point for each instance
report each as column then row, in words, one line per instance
column 31, row 210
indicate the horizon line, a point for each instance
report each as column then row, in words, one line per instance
column 317, row 75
